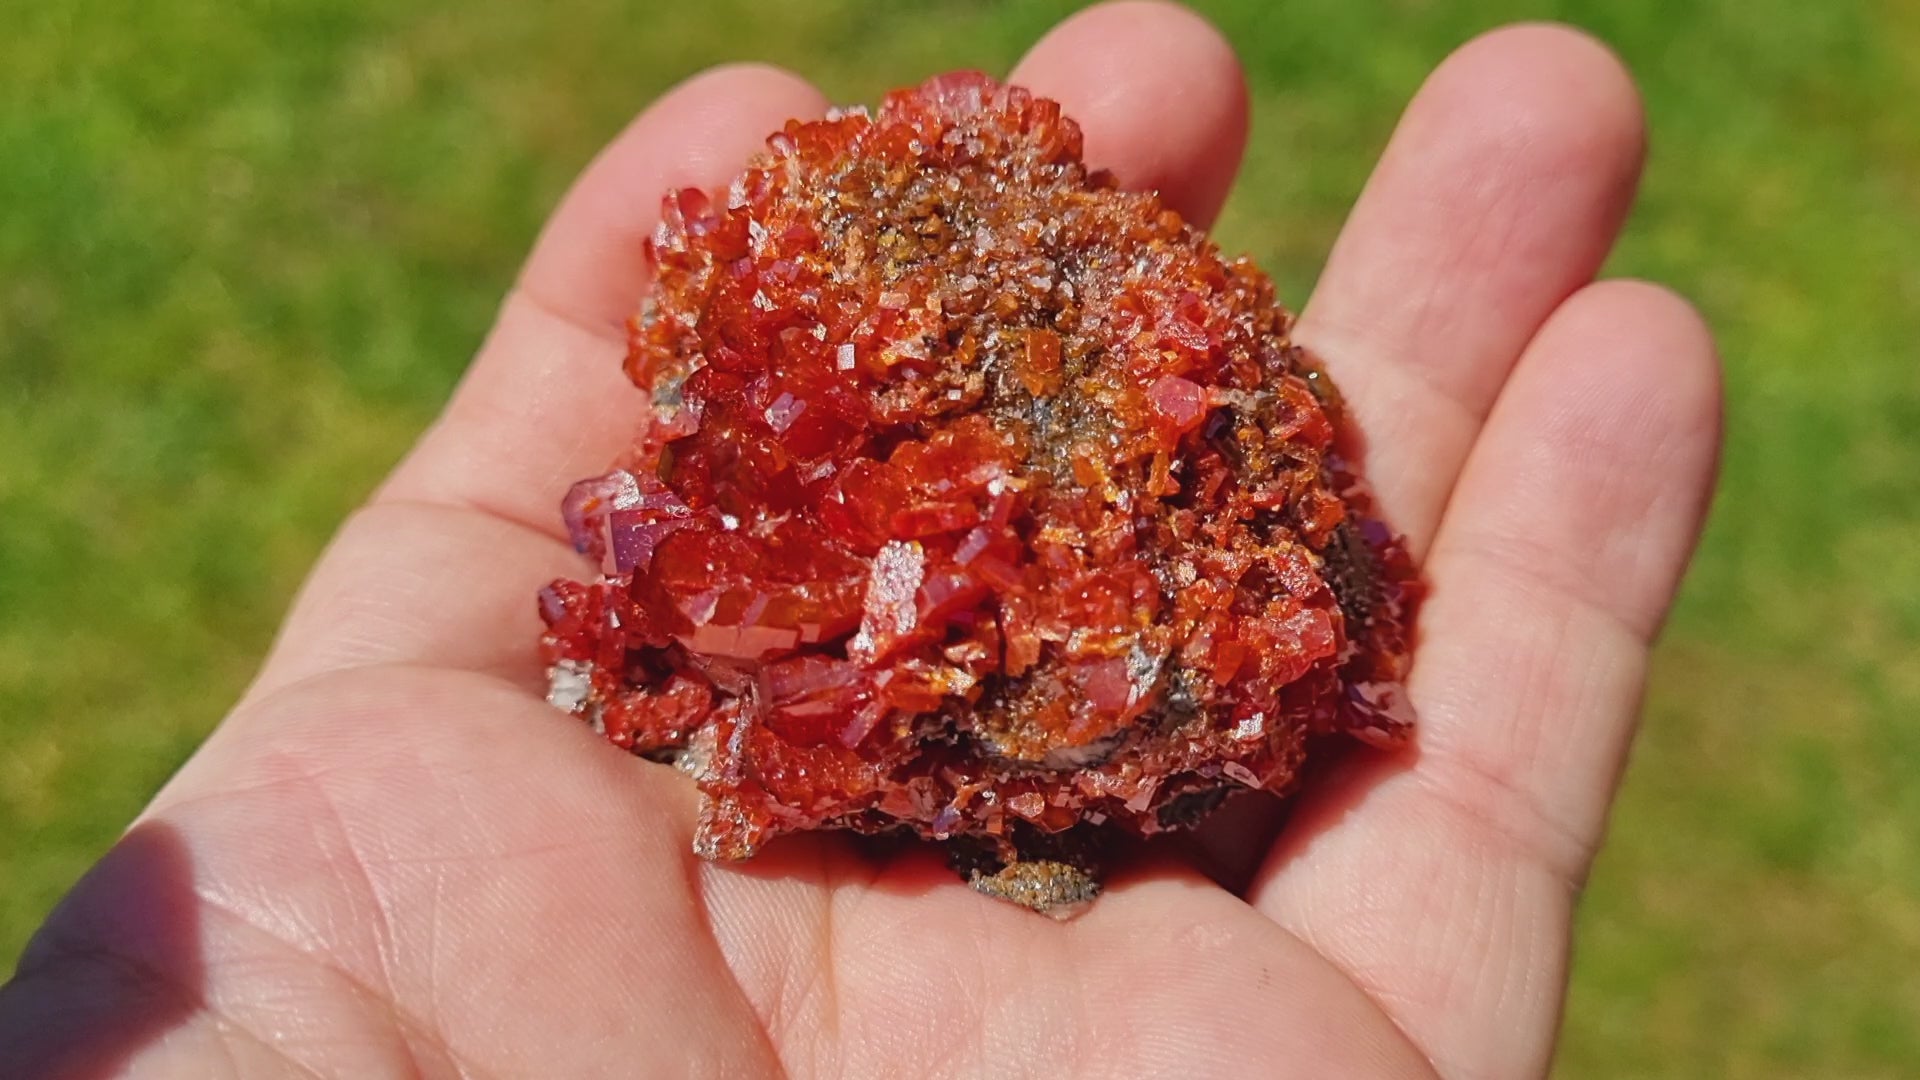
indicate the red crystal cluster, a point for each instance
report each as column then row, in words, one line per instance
column 977, row 498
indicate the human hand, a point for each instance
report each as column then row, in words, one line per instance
column 394, row 858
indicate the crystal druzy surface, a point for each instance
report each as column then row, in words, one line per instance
column 977, row 498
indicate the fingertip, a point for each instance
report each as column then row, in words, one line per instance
column 587, row 264
column 1605, row 444
column 1651, row 337
column 1670, row 322
column 1520, row 84
column 1649, row 353
column 1159, row 93
column 1499, row 196
column 1662, row 312
column 731, row 107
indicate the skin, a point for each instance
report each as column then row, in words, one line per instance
column 392, row 859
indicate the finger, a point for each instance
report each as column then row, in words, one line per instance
column 1158, row 93
column 1498, row 196
column 442, row 568
column 1447, row 887
column 586, row 266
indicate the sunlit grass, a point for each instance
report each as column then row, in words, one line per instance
column 245, row 250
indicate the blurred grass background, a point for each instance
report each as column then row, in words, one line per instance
column 246, row 248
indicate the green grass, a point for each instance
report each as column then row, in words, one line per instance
column 246, row 248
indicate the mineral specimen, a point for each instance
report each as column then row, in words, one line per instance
column 978, row 499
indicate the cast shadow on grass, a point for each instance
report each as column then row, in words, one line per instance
column 115, row 968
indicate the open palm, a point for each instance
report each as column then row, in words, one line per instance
column 395, row 859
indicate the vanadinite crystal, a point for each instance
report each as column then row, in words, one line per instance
column 977, row 499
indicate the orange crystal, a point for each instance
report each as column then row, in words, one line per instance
column 978, row 499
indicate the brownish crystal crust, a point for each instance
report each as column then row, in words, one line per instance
column 978, row 498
